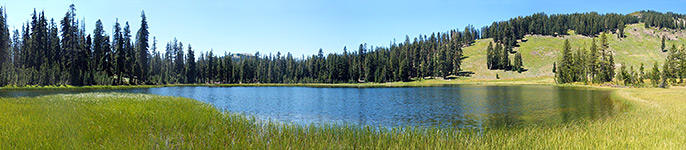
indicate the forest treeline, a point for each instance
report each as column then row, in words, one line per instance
column 587, row 24
column 596, row 65
column 62, row 52
column 438, row 55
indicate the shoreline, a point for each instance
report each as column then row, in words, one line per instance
column 543, row 81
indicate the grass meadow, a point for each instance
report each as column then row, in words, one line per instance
column 640, row 45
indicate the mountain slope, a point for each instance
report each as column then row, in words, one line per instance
column 539, row 52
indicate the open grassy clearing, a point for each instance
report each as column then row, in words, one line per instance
column 654, row 119
column 539, row 52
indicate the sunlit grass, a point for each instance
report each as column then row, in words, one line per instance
column 654, row 119
column 640, row 45
column 63, row 87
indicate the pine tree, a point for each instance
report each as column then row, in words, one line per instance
column 361, row 61
column 4, row 48
column 490, row 56
column 178, row 61
column 593, row 62
column 621, row 27
column 607, row 63
column 191, row 70
column 564, row 73
column 497, row 57
column 69, row 45
column 98, row 46
column 505, row 60
column 554, row 67
column 664, row 83
column 655, row 75
column 518, row 62
column 641, row 74
column 662, row 47
column 623, row 75
column 142, row 49
column 131, row 69
column 120, row 53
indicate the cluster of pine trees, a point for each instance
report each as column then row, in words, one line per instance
column 49, row 53
column 588, row 24
column 589, row 66
column 674, row 67
column 597, row 66
column 631, row 77
column 673, row 71
column 438, row 55
column 663, row 20
column 498, row 58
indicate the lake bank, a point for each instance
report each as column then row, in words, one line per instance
column 654, row 119
column 419, row 83
column 449, row 106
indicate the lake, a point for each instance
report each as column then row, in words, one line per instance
column 454, row 106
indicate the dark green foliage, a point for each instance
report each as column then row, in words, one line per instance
column 498, row 58
column 504, row 59
column 440, row 56
column 73, row 53
column 641, row 74
column 620, row 28
column 662, row 47
column 661, row 20
column 518, row 63
column 130, row 59
column 625, row 75
column 99, row 51
column 5, row 52
column 588, row 24
column 580, row 66
column 655, row 75
column 142, row 50
column 120, row 53
column 665, row 76
column 674, row 69
column 606, row 65
column 564, row 73
column 554, row 67
column 192, row 70
column 179, row 64
column 490, row 56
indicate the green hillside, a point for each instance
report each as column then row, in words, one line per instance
column 539, row 52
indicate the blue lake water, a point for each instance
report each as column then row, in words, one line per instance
column 456, row 106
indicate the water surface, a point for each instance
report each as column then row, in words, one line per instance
column 461, row 106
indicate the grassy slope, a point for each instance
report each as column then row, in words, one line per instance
column 139, row 121
column 539, row 52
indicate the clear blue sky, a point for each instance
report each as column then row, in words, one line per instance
column 304, row 26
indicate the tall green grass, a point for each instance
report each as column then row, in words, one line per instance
column 140, row 121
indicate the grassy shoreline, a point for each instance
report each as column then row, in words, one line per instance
column 548, row 81
column 654, row 121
